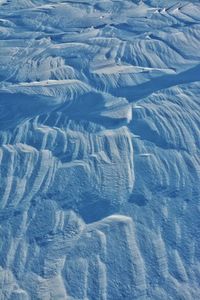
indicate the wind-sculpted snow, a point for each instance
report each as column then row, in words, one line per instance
column 99, row 150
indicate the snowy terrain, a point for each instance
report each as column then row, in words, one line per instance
column 99, row 150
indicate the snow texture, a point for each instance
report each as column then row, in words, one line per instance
column 99, row 150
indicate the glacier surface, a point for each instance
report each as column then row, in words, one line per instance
column 99, row 150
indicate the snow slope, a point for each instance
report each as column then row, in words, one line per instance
column 99, row 150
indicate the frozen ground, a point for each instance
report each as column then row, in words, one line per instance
column 99, row 150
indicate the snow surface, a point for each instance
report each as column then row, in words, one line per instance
column 99, row 150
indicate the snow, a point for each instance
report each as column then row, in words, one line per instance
column 99, row 149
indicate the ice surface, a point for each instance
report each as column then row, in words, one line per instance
column 99, row 150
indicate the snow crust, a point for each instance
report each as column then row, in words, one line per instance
column 99, row 150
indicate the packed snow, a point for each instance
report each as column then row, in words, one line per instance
column 99, row 150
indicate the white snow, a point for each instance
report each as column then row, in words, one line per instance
column 99, row 149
